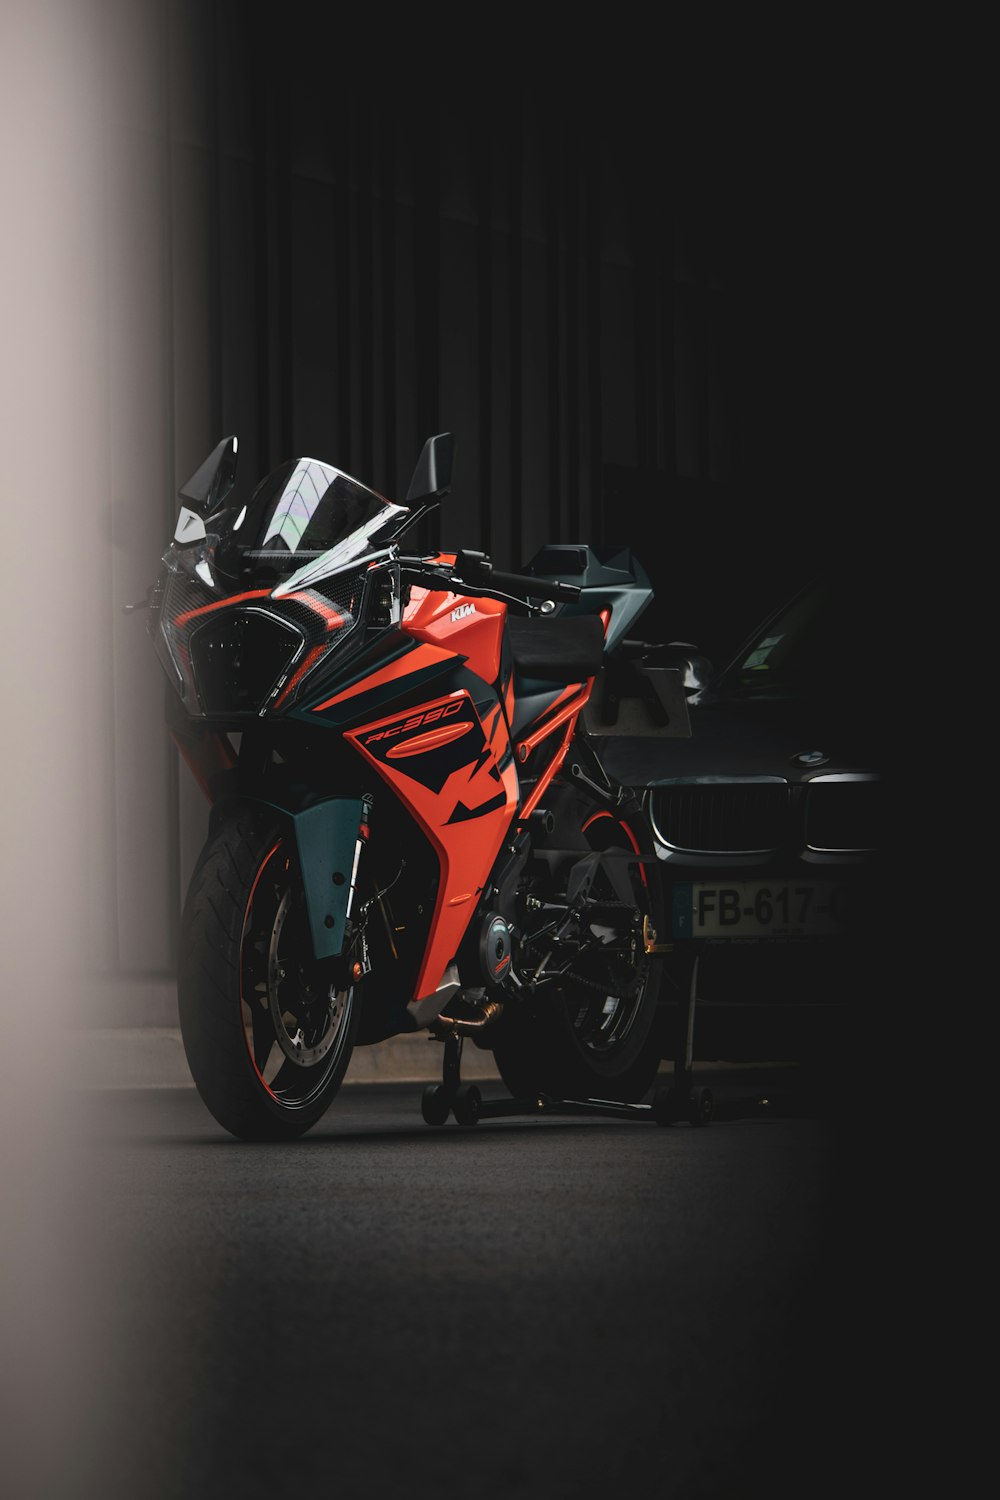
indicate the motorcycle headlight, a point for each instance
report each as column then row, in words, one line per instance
column 238, row 656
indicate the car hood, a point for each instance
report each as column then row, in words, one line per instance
column 750, row 735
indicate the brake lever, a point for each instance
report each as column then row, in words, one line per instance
column 425, row 577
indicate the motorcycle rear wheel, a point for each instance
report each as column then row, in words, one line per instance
column 598, row 1033
column 267, row 1034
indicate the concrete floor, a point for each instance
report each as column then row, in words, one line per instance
column 535, row 1307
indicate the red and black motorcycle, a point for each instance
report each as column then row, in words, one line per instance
column 409, row 826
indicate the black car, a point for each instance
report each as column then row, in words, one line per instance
column 765, row 784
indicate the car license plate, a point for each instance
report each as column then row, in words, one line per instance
column 762, row 909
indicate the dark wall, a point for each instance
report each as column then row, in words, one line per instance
column 637, row 335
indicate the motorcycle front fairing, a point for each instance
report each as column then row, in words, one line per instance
column 251, row 600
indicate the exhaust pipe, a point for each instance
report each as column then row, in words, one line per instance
column 487, row 1012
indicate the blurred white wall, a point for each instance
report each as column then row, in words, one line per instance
column 105, row 373
column 86, row 486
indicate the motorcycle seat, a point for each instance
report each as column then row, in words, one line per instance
column 563, row 648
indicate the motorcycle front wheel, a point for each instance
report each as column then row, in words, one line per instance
column 267, row 1032
column 595, row 1031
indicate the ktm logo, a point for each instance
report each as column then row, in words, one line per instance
column 443, row 711
column 463, row 609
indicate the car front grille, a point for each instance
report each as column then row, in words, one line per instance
column 843, row 813
column 837, row 814
column 738, row 817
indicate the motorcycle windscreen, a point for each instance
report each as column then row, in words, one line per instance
column 305, row 521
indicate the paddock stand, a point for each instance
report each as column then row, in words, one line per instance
column 681, row 1101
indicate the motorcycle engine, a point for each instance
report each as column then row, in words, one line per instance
column 486, row 952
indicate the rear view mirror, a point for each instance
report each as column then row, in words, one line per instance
column 210, row 484
column 432, row 475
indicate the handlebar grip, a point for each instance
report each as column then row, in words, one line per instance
column 477, row 569
column 534, row 588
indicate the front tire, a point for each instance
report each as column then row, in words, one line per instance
column 267, row 1031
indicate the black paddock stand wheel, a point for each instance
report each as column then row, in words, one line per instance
column 467, row 1103
column 696, row 1106
column 434, row 1105
column 700, row 1106
column 451, row 1096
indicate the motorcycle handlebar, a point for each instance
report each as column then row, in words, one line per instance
column 477, row 575
column 476, row 568
column 534, row 588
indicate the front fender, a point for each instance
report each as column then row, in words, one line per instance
column 329, row 836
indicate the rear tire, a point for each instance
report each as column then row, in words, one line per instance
column 597, row 1034
column 267, row 1033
